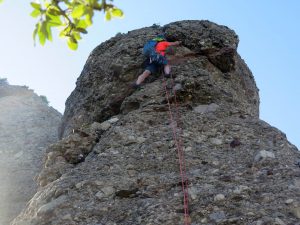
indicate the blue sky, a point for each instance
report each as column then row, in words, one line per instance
column 268, row 30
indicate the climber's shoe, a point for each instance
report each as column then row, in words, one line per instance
column 135, row 86
column 169, row 76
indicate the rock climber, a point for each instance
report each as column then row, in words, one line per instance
column 156, row 60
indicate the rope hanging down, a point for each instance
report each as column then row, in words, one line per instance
column 177, row 131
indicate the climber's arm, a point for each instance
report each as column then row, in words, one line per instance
column 175, row 43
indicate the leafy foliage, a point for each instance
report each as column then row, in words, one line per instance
column 73, row 17
column 3, row 81
column 44, row 99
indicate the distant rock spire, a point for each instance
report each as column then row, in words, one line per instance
column 27, row 127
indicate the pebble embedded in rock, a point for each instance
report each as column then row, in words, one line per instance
column 219, row 197
column 263, row 155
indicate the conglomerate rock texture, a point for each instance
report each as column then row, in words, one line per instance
column 117, row 162
column 27, row 126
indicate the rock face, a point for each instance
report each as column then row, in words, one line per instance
column 112, row 66
column 117, row 162
column 27, row 126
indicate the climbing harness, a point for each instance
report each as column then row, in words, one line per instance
column 177, row 132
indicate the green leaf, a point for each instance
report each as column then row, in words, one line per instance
column 77, row 35
column 35, row 5
column 82, row 24
column 49, row 31
column 65, row 32
column 92, row 2
column 88, row 19
column 44, row 28
column 42, row 37
column 52, row 10
column 43, row 34
column 54, row 20
column 78, row 11
column 72, row 43
column 107, row 15
column 62, row 33
column 35, row 31
column 73, row 39
column 117, row 12
column 35, row 13
column 81, row 30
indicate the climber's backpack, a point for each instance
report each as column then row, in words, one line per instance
column 149, row 48
column 150, row 52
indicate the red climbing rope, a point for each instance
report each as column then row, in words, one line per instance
column 177, row 132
